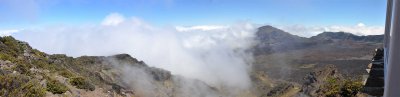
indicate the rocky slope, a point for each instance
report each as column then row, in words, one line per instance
column 280, row 52
column 28, row 72
column 40, row 74
column 316, row 64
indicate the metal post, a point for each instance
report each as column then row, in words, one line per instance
column 392, row 82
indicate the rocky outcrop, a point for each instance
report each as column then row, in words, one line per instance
column 328, row 82
column 314, row 81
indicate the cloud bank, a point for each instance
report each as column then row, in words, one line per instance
column 308, row 31
column 215, row 55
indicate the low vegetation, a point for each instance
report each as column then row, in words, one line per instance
column 56, row 87
column 66, row 73
column 345, row 88
column 21, row 80
column 351, row 88
column 82, row 83
column 13, row 85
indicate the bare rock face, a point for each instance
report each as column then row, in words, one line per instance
column 159, row 74
column 280, row 89
column 127, row 59
column 314, row 81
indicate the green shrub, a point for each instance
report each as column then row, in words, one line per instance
column 56, row 87
column 4, row 56
column 332, row 86
column 66, row 73
column 11, row 43
column 351, row 88
column 12, row 85
column 22, row 68
column 33, row 89
column 82, row 83
column 46, row 65
column 346, row 88
column 38, row 53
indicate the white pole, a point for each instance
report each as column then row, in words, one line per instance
column 388, row 24
column 392, row 82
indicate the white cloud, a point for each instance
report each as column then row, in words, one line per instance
column 113, row 19
column 7, row 32
column 201, row 27
column 308, row 31
column 361, row 25
column 213, row 54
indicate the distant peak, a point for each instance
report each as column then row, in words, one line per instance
column 340, row 32
column 268, row 27
column 348, row 36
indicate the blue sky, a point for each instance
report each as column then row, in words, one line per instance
column 31, row 13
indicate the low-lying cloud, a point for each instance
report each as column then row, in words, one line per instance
column 308, row 31
column 216, row 55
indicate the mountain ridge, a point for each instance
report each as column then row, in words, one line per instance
column 270, row 39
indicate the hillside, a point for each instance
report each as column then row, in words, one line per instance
column 291, row 58
column 28, row 72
